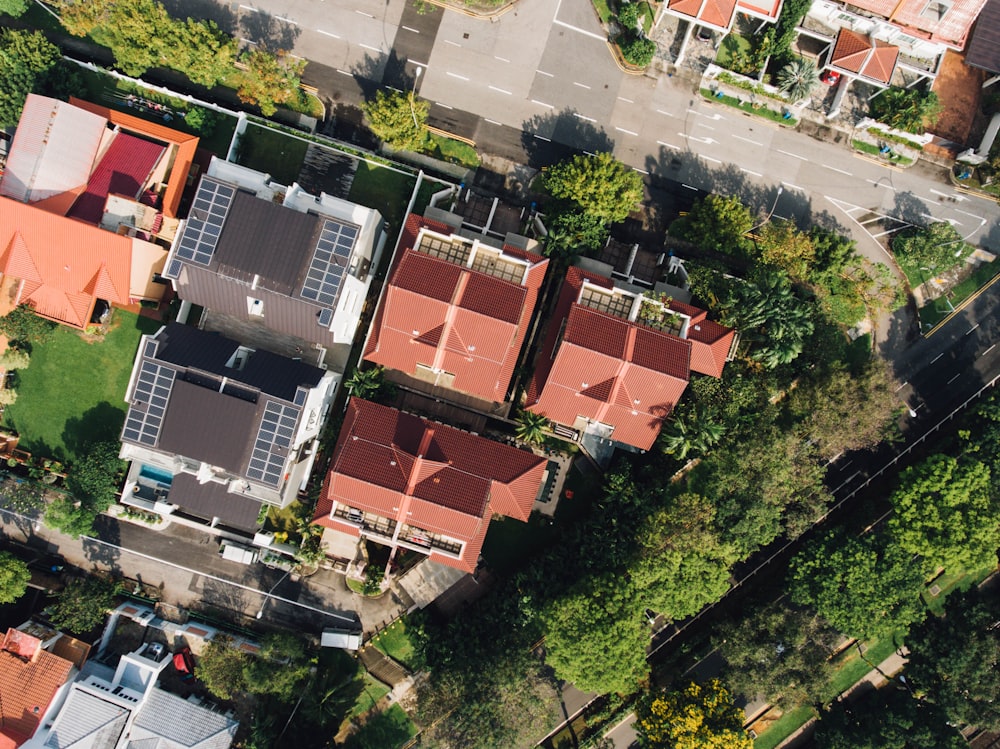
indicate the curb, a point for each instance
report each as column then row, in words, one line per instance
column 453, row 136
column 623, row 66
column 488, row 16
column 866, row 157
column 962, row 306
column 972, row 192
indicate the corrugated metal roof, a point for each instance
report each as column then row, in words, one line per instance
column 122, row 170
column 983, row 50
column 181, row 724
column 87, row 721
column 53, row 150
column 919, row 19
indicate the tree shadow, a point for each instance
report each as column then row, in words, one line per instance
column 909, row 208
column 551, row 137
column 220, row 13
column 370, row 71
column 104, row 555
column 268, row 32
column 226, row 600
column 102, row 423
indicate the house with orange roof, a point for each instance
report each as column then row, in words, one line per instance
column 33, row 684
column 88, row 203
column 716, row 16
column 615, row 361
column 407, row 483
column 456, row 309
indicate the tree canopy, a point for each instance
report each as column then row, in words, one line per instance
column 572, row 231
column 770, row 316
column 697, row 717
column 13, row 8
column 82, row 605
column 931, row 246
column 398, row 119
column 14, row 577
column 782, row 245
column 94, row 481
column 268, row 80
column 596, row 184
column 25, row 56
column 717, row 222
column 909, row 109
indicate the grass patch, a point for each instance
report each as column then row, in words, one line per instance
column 285, row 519
column 731, row 46
column 745, row 106
column 272, row 152
column 960, row 581
column 395, row 642
column 386, row 190
column 372, row 690
column 852, row 667
column 356, row 586
column 873, row 150
column 603, row 10
column 454, row 151
column 387, row 730
column 646, row 14
column 73, row 392
column 783, row 727
column 937, row 309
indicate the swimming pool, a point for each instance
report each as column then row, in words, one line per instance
column 156, row 474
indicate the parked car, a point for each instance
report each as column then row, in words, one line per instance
column 184, row 663
column 830, row 77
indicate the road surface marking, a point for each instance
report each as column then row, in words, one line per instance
column 542, row 104
column 368, row 46
column 362, row 13
column 951, row 221
column 456, row 75
column 708, row 158
column 500, row 90
column 344, row 72
column 453, row 44
column 627, row 132
column 713, row 116
column 880, row 184
column 584, row 118
column 641, row 171
column 627, row 101
column 397, row 90
column 790, row 186
column 443, row 106
column 953, row 378
column 835, row 169
column 937, row 357
column 972, row 328
column 542, row 137
column 288, row 21
column 689, row 187
column 702, row 124
column 793, row 155
column 747, row 171
column 571, row 27
column 901, row 387
column 327, row 33
column 970, row 215
column 668, row 114
column 492, row 122
column 669, row 145
column 542, row 72
column 988, row 350
column 944, row 194
column 748, row 140
column 250, row 8
column 408, row 28
column 501, row 59
column 581, row 85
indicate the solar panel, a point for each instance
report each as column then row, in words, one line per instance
column 204, row 223
column 329, row 261
column 174, row 269
column 300, row 396
column 325, row 317
column 149, row 403
column 273, row 442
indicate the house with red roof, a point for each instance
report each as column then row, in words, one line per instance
column 716, row 15
column 88, row 203
column 615, row 360
column 408, row 483
column 456, row 309
column 32, row 683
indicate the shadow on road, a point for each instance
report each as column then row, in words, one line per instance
column 268, row 32
column 104, row 555
column 549, row 138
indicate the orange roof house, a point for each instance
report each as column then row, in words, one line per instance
column 30, row 678
column 455, row 311
column 861, row 56
column 719, row 15
column 406, row 482
column 946, row 22
column 614, row 363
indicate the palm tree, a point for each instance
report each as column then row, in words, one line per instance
column 694, row 435
column 770, row 317
column 798, row 78
column 531, row 427
column 365, row 383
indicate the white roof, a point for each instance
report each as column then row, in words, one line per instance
column 340, row 638
column 54, row 148
column 87, row 722
column 166, row 721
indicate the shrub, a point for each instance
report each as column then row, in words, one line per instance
column 628, row 16
column 637, row 50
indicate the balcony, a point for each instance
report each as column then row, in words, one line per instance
column 368, row 522
column 426, row 540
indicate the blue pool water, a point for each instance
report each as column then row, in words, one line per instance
column 156, row 474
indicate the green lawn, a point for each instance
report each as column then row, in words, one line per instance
column 892, row 157
column 73, row 392
column 272, row 152
column 372, row 690
column 746, row 106
column 386, row 730
column 783, row 727
column 384, row 189
column 732, row 44
column 603, row 10
column 948, row 583
column 937, row 309
column 395, row 643
column 455, row 151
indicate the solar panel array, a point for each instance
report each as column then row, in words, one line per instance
column 274, row 439
column 149, row 403
column 204, row 223
column 329, row 261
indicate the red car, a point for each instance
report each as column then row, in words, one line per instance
column 184, row 663
column 830, row 77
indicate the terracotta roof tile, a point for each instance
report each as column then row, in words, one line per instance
column 122, row 170
column 29, row 679
column 711, row 343
column 597, row 331
column 426, row 275
column 493, row 297
column 859, row 54
column 660, row 352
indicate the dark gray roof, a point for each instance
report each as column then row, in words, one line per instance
column 186, row 346
column 265, row 239
column 213, row 500
column 983, row 49
column 209, row 426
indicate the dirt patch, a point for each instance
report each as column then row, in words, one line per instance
column 959, row 88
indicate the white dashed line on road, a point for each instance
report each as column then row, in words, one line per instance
column 443, row 106
column 583, row 117
column 327, row 33
column 407, row 28
column 492, row 122
column 500, row 90
column 368, row 46
column 641, row 171
column 835, row 169
column 627, row 132
column 937, row 357
column 577, row 29
column 790, row 186
column 881, row 184
column 664, row 112
column 988, row 350
column 501, row 59
column 362, row 13
column 344, row 72
column 456, row 75
column 709, row 158
column 581, row 85
column 289, row 21
column 953, row 378
column 970, row 215
column 542, row 104
column 793, row 155
column 702, row 124
column 542, row 72
column 250, row 8
column 748, row 171
column 669, row 145
column 689, row 187
column 972, row 329
column 453, row 44
column 627, row 101
column 748, row 140
column 542, row 137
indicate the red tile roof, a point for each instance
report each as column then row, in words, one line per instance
column 64, row 264
column 183, row 157
column 29, row 679
column 452, row 318
column 863, row 56
column 917, row 18
column 122, row 170
column 716, row 13
column 612, row 371
column 434, row 477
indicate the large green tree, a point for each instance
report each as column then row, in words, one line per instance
column 94, row 481
column 201, row 50
column 696, row 717
column 770, row 316
column 909, row 109
column 398, row 119
column 14, row 577
column 945, row 511
column 596, row 184
column 221, row 668
column 934, row 246
column 69, row 517
column 25, row 57
column 268, row 80
column 82, row 605
column 717, row 222
column 13, row 8
column 572, row 231
column 781, row 244
column 864, row 587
